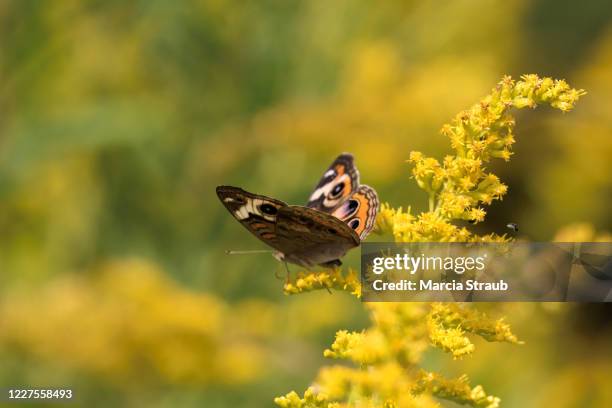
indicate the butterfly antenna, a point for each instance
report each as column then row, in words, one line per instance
column 253, row 251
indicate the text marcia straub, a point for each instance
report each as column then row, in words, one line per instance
column 430, row 285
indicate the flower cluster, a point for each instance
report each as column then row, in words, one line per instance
column 132, row 322
column 449, row 323
column 387, row 355
column 457, row 390
column 334, row 279
column 460, row 185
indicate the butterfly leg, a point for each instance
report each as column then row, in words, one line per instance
column 331, row 264
column 288, row 278
column 278, row 275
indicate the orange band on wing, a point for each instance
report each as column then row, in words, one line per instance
column 359, row 210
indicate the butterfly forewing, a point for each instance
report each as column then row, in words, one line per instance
column 257, row 213
column 309, row 237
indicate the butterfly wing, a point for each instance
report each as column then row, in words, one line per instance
column 257, row 213
column 302, row 235
column 309, row 237
column 359, row 210
column 339, row 215
column 339, row 193
column 339, row 181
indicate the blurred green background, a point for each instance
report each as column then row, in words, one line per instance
column 117, row 121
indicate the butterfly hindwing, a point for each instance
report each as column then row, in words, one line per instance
column 359, row 210
column 338, row 182
column 257, row 213
column 339, row 193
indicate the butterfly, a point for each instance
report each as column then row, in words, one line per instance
column 338, row 216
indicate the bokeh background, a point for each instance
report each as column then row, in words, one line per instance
column 118, row 119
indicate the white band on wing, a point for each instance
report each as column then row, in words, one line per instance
column 252, row 207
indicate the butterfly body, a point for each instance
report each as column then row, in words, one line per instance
column 339, row 215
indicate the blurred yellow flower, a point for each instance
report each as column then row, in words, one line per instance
column 131, row 322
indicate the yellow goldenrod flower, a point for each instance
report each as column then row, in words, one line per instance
column 334, row 279
column 457, row 390
column 387, row 354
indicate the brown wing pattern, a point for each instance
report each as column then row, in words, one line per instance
column 257, row 213
column 308, row 237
